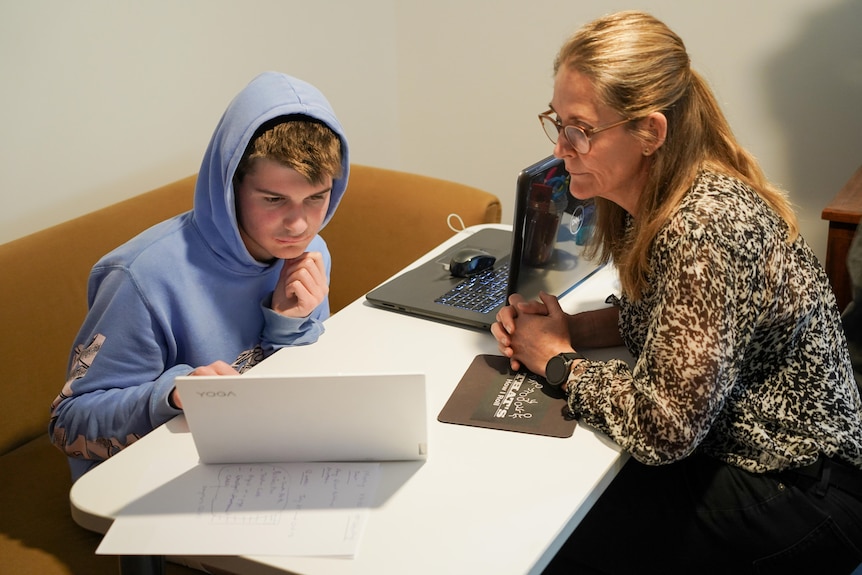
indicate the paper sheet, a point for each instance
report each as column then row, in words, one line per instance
column 262, row 509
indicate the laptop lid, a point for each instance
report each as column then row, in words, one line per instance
column 549, row 252
column 284, row 418
column 421, row 290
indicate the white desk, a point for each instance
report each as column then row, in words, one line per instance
column 485, row 501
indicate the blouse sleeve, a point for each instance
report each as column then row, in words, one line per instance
column 664, row 407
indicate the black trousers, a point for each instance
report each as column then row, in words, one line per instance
column 703, row 516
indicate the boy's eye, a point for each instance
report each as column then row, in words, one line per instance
column 317, row 197
column 272, row 199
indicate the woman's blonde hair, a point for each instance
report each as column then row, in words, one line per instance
column 638, row 66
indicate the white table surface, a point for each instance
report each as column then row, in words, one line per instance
column 485, row 501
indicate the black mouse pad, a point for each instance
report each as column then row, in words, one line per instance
column 491, row 395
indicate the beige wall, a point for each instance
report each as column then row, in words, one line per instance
column 105, row 99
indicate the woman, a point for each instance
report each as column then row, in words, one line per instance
column 740, row 412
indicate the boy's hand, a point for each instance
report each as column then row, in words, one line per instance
column 215, row 368
column 301, row 286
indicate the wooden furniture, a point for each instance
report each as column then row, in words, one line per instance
column 843, row 214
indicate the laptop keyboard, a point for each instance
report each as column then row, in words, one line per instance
column 480, row 293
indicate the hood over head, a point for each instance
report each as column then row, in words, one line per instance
column 268, row 96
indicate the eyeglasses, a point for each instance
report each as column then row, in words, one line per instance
column 577, row 137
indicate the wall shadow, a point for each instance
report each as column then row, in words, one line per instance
column 814, row 86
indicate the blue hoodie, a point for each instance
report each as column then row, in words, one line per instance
column 184, row 294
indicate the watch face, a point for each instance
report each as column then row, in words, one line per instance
column 555, row 370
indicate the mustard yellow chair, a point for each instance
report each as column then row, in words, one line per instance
column 43, row 300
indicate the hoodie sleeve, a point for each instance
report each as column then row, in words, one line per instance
column 119, row 378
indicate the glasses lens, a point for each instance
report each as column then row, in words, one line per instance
column 578, row 139
column 551, row 129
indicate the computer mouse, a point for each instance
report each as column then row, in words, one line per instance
column 470, row 261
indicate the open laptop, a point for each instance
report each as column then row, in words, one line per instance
column 431, row 292
column 284, row 418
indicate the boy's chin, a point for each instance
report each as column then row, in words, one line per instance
column 289, row 253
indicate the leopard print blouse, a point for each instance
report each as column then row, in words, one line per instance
column 738, row 346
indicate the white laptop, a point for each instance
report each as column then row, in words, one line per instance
column 284, row 418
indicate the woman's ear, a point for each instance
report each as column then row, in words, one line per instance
column 656, row 126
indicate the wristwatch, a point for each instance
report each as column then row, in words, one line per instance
column 558, row 367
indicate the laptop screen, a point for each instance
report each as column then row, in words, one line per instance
column 550, row 229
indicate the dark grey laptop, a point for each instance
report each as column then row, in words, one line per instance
column 431, row 292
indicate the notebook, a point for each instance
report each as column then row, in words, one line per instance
column 285, row 418
column 430, row 291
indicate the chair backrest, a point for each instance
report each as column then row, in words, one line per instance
column 387, row 219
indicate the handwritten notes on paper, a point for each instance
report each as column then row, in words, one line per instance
column 260, row 509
